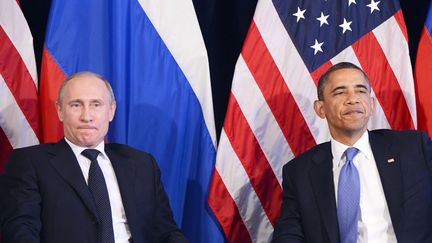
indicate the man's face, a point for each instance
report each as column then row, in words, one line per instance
column 86, row 110
column 347, row 104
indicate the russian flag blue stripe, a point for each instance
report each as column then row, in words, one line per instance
column 428, row 22
column 162, row 90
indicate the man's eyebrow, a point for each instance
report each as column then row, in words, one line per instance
column 362, row 86
column 342, row 87
column 75, row 101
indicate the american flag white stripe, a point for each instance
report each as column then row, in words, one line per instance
column 391, row 38
column 260, row 119
column 294, row 72
column 18, row 81
column 12, row 120
column 14, row 24
column 378, row 120
column 250, row 209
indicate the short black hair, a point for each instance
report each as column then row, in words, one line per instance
column 342, row 65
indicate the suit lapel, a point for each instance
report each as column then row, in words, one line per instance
column 321, row 177
column 66, row 164
column 125, row 173
column 390, row 173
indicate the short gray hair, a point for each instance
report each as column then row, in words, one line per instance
column 79, row 74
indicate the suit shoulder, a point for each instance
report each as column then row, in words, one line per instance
column 397, row 135
column 128, row 151
column 34, row 149
column 303, row 160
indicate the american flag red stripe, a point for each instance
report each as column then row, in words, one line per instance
column 383, row 81
column 270, row 80
column 227, row 212
column 19, row 118
column 272, row 103
column 13, row 69
column 261, row 176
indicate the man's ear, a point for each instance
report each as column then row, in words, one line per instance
column 373, row 104
column 113, row 107
column 319, row 108
column 59, row 111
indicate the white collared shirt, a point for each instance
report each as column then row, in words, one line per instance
column 374, row 224
column 120, row 226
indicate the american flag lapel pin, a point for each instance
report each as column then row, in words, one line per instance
column 390, row 161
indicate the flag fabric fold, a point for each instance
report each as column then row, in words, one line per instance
column 153, row 54
column 270, row 117
column 423, row 74
column 19, row 112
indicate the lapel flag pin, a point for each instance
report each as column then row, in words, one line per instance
column 390, row 160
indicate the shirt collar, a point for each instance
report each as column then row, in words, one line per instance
column 362, row 145
column 78, row 149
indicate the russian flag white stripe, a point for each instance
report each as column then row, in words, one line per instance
column 260, row 119
column 292, row 69
column 391, row 38
column 12, row 120
column 183, row 38
column 240, row 189
column 378, row 119
column 15, row 25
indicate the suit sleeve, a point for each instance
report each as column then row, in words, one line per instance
column 288, row 227
column 20, row 201
column 166, row 229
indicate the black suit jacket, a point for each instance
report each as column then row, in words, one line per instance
column 44, row 197
column 308, row 212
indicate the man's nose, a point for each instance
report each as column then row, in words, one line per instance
column 352, row 98
column 86, row 114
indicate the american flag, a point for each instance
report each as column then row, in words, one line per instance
column 270, row 118
column 19, row 117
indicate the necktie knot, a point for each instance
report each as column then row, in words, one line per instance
column 91, row 154
column 350, row 153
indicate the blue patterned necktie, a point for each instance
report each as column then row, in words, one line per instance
column 348, row 199
column 98, row 188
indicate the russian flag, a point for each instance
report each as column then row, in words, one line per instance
column 423, row 75
column 153, row 54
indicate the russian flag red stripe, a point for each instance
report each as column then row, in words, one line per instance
column 51, row 79
column 423, row 75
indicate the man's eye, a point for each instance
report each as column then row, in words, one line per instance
column 74, row 105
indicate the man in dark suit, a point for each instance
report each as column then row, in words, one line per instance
column 362, row 186
column 80, row 189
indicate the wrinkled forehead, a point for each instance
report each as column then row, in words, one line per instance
column 347, row 77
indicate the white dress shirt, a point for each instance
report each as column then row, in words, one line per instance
column 374, row 224
column 120, row 226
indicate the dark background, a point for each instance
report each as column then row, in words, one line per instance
column 224, row 24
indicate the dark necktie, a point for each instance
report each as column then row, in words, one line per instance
column 98, row 188
column 348, row 199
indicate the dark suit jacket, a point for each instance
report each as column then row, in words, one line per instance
column 308, row 212
column 44, row 197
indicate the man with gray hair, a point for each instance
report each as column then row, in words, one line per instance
column 81, row 189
